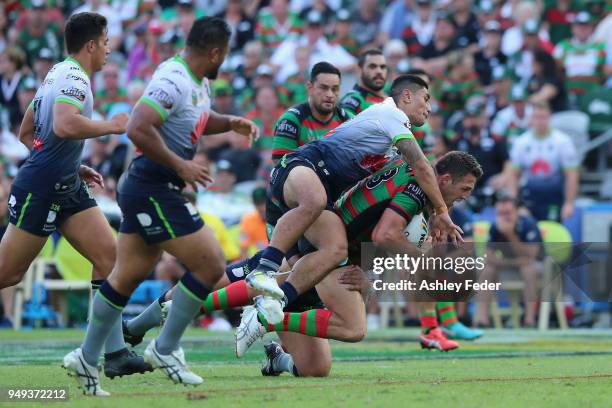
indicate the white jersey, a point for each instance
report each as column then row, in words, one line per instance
column 184, row 103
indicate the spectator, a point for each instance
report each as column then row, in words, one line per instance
column 514, row 120
column 559, row 16
column 7, row 294
column 320, row 50
column 443, row 42
column 397, row 16
column 267, row 110
column 322, row 7
column 369, row 88
column 490, row 56
column 112, row 92
column 12, row 61
column 253, row 236
column 275, row 24
column 222, row 198
column 420, row 31
column 113, row 20
column 43, row 63
column 474, row 137
column 582, row 60
column 458, row 84
column 546, row 158
column 134, row 91
column 499, row 96
column 546, row 84
column 223, row 101
column 39, row 33
column 366, row 21
column 521, row 62
column 467, row 23
column 342, row 33
column 513, row 40
column 513, row 245
column 296, row 83
column 396, row 55
column 243, row 28
column 245, row 72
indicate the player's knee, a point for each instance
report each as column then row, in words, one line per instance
column 354, row 332
column 104, row 261
column 318, row 369
column 10, row 275
column 338, row 252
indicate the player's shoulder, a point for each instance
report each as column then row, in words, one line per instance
column 171, row 72
column 296, row 113
column 343, row 114
column 68, row 71
column 352, row 99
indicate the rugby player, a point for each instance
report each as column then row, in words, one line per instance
column 165, row 125
column 369, row 89
column 305, row 183
column 312, row 119
column 51, row 190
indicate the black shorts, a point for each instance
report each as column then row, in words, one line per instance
column 156, row 213
column 41, row 214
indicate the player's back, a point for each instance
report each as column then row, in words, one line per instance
column 53, row 164
column 183, row 102
column 393, row 187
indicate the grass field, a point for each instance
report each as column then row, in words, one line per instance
column 388, row 369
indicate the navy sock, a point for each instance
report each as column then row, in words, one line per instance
column 271, row 258
column 289, row 291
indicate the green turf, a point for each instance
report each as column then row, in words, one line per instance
column 505, row 368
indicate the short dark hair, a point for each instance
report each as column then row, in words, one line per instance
column 208, row 32
column 418, row 71
column 364, row 55
column 406, row 81
column 323, row 68
column 82, row 28
column 458, row 164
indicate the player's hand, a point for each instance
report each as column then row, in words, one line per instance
column 245, row 127
column 91, row 177
column 443, row 227
column 567, row 210
column 353, row 278
column 192, row 173
column 119, row 122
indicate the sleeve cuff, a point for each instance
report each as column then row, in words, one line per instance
column 402, row 136
column 70, row 101
column 154, row 105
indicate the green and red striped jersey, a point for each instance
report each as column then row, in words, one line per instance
column 297, row 126
column 271, row 33
column 266, row 128
column 393, row 187
column 424, row 138
column 359, row 99
column 452, row 95
column 583, row 64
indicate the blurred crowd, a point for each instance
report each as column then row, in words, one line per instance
column 498, row 70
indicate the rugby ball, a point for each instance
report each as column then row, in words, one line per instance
column 417, row 230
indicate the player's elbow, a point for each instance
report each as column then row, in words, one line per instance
column 134, row 132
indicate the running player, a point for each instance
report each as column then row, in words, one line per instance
column 51, row 191
column 312, row 119
column 165, row 125
column 379, row 209
column 369, row 89
column 305, row 182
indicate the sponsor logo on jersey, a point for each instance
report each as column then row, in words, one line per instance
column 286, row 127
column 51, row 217
column 74, row 92
column 76, row 78
column 408, row 125
column 12, row 201
column 415, row 192
column 161, row 96
column 144, row 219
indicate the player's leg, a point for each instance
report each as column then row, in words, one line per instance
column 305, row 198
column 431, row 336
column 135, row 260
column 300, row 355
column 205, row 264
column 90, row 234
column 344, row 319
column 451, row 326
column 18, row 249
